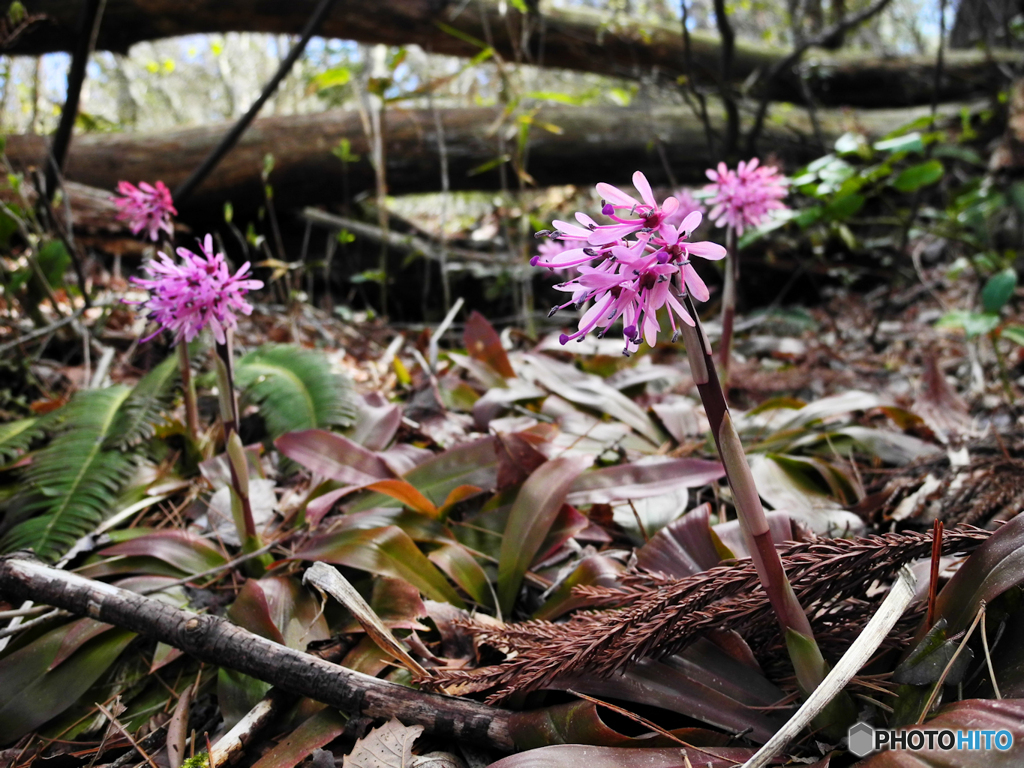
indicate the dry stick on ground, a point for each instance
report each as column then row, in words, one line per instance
column 232, row 136
column 216, row 641
column 92, row 11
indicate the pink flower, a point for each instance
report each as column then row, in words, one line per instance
column 742, row 198
column 651, row 216
column 185, row 298
column 644, row 267
column 687, row 205
column 146, row 207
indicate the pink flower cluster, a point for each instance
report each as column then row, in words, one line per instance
column 642, row 265
column 185, row 298
column 742, row 198
column 146, row 207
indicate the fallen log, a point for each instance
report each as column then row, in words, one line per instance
column 216, row 641
column 578, row 39
column 580, row 145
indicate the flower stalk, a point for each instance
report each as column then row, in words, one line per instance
column 732, row 270
column 188, row 387
column 808, row 662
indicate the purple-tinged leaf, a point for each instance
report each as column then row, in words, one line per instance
column 483, row 344
column 404, row 458
column 386, row 551
column 567, row 524
column 595, row 570
column 581, row 722
column 184, row 551
column 322, row 728
column 582, row 756
column 368, row 657
column 252, row 612
column 682, row 548
column 960, row 716
column 333, row 456
column 780, row 526
column 730, row 695
column 407, row 494
column 377, row 421
column 648, row 477
column 533, row 512
column 589, row 391
column 994, row 567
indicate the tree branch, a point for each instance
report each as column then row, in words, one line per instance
column 216, row 641
column 231, row 137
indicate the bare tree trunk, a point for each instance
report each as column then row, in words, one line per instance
column 596, row 144
column 577, row 39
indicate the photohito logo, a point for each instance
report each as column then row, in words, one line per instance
column 862, row 739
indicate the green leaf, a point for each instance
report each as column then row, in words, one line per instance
column 33, row 693
column 973, row 323
column 386, row 551
column 17, row 436
column 295, row 389
column 336, row 76
column 998, row 290
column 72, row 484
column 54, row 259
column 137, row 419
column 910, row 142
column 534, row 510
column 921, row 175
column 844, row 207
column 1014, row 333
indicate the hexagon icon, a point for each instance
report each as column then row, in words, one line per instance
column 861, row 739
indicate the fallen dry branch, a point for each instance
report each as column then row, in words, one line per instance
column 579, row 39
column 662, row 615
column 590, row 145
column 217, row 641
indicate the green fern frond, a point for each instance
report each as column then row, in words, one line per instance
column 294, row 389
column 151, row 397
column 17, row 436
column 73, row 482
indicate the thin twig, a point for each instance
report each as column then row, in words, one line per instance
column 942, row 678
column 988, row 661
column 231, row 138
column 794, row 57
column 92, row 12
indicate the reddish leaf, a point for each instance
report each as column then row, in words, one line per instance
column 333, row 456
column 533, row 512
column 580, row 756
column 517, row 458
column 185, row 551
column 580, row 722
column 251, row 611
column 642, row 479
column 683, row 547
column 971, row 714
column 407, row 494
column 322, row 728
column 484, row 344
column 377, row 421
